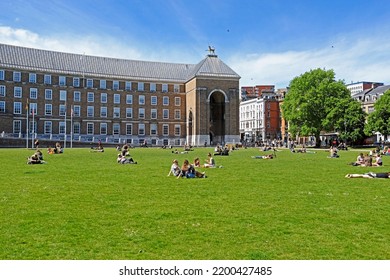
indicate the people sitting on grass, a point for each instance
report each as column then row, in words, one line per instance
column 187, row 170
column 36, row 158
column 378, row 160
column 359, row 160
column 210, row 162
column 370, row 175
column 217, row 150
column 125, row 160
column 175, row 168
column 333, row 152
column 99, row 147
column 197, row 162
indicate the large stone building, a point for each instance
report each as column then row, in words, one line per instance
column 57, row 96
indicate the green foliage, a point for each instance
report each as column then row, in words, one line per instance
column 379, row 120
column 83, row 205
column 316, row 102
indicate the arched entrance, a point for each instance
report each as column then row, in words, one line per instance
column 217, row 117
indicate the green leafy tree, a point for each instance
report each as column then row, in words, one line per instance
column 379, row 120
column 316, row 102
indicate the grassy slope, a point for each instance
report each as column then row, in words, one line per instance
column 84, row 205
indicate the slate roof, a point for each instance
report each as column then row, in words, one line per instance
column 77, row 64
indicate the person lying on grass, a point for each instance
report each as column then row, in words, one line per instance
column 370, row 175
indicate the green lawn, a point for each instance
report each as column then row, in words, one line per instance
column 83, row 205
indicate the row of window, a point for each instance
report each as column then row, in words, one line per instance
column 89, row 83
column 18, row 93
column 76, row 111
column 103, row 129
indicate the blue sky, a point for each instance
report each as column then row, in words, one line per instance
column 264, row 41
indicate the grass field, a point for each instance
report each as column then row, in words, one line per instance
column 83, row 205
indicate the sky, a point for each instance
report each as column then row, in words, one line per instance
column 267, row 42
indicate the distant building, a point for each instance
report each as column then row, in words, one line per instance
column 368, row 97
column 361, row 86
column 249, row 92
column 89, row 98
column 260, row 117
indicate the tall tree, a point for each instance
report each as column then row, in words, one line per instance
column 379, row 120
column 311, row 102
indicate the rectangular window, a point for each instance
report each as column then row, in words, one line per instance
column 165, row 113
column 153, row 129
column 90, row 97
column 76, row 82
column 141, row 86
column 17, row 126
column 62, row 110
column 115, row 129
column 117, row 112
column 90, row 128
column 141, row 100
column 33, row 93
column 33, row 108
column 141, row 129
column 2, row 106
column 76, row 111
column 48, row 94
column 177, row 129
column 153, row 100
column 117, row 98
column 2, row 91
column 153, row 113
column 103, row 84
column 129, row 99
column 61, row 127
column 176, row 88
column 103, row 128
column 164, row 88
column 2, row 75
column 18, row 92
column 127, row 85
column 47, row 79
column 17, row 107
column 129, row 113
column 129, row 129
column 165, row 100
column 62, row 81
column 165, row 129
column 90, row 111
column 141, row 113
column 177, row 114
column 89, row 83
column 103, row 112
column 177, row 101
column 48, row 109
column 63, row 95
column 153, row 87
column 76, row 96
column 48, row 127
column 76, row 128
column 103, row 98
column 115, row 85
column 17, row 76
column 32, row 78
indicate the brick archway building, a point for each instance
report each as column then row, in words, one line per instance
column 88, row 98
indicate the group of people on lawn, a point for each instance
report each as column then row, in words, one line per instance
column 370, row 159
column 187, row 170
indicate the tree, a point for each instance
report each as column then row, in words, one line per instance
column 316, row 102
column 379, row 120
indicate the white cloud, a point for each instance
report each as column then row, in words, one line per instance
column 351, row 59
column 361, row 60
column 90, row 45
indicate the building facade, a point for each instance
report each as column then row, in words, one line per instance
column 260, row 119
column 62, row 96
